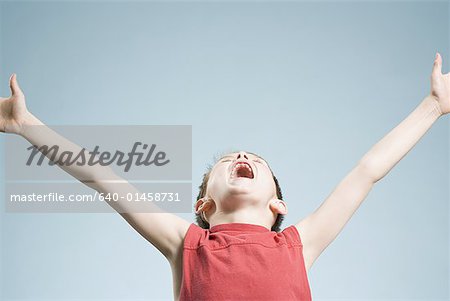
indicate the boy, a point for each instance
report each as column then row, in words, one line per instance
column 234, row 255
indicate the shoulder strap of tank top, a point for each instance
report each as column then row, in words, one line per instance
column 193, row 236
column 292, row 235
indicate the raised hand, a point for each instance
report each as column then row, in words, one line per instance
column 13, row 110
column 440, row 85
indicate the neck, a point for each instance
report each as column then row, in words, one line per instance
column 262, row 217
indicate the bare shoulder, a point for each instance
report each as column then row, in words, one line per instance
column 320, row 228
column 165, row 231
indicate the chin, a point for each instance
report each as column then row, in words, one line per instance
column 241, row 181
column 234, row 189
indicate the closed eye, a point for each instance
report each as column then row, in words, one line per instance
column 260, row 161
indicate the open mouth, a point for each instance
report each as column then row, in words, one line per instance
column 242, row 170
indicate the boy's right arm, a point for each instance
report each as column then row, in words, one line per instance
column 164, row 230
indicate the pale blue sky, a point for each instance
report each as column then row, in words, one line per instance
column 310, row 86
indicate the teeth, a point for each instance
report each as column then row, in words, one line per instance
column 246, row 165
column 241, row 164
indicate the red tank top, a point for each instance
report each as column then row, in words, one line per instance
column 239, row 261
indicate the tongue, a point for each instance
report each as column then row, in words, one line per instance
column 243, row 172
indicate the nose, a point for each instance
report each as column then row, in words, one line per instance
column 242, row 154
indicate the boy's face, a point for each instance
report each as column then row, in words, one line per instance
column 241, row 179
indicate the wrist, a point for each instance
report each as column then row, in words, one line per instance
column 433, row 103
column 28, row 122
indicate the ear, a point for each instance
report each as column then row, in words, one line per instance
column 202, row 204
column 278, row 206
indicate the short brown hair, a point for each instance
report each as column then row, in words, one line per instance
column 202, row 192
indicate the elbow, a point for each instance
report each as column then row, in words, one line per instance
column 100, row 177
column 370, row 170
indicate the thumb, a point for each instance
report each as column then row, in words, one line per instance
column 437, row 67
column 14, row 85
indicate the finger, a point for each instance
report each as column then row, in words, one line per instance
column 14, row 85
column 437, row 67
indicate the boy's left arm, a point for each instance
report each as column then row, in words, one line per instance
column 321, row 227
